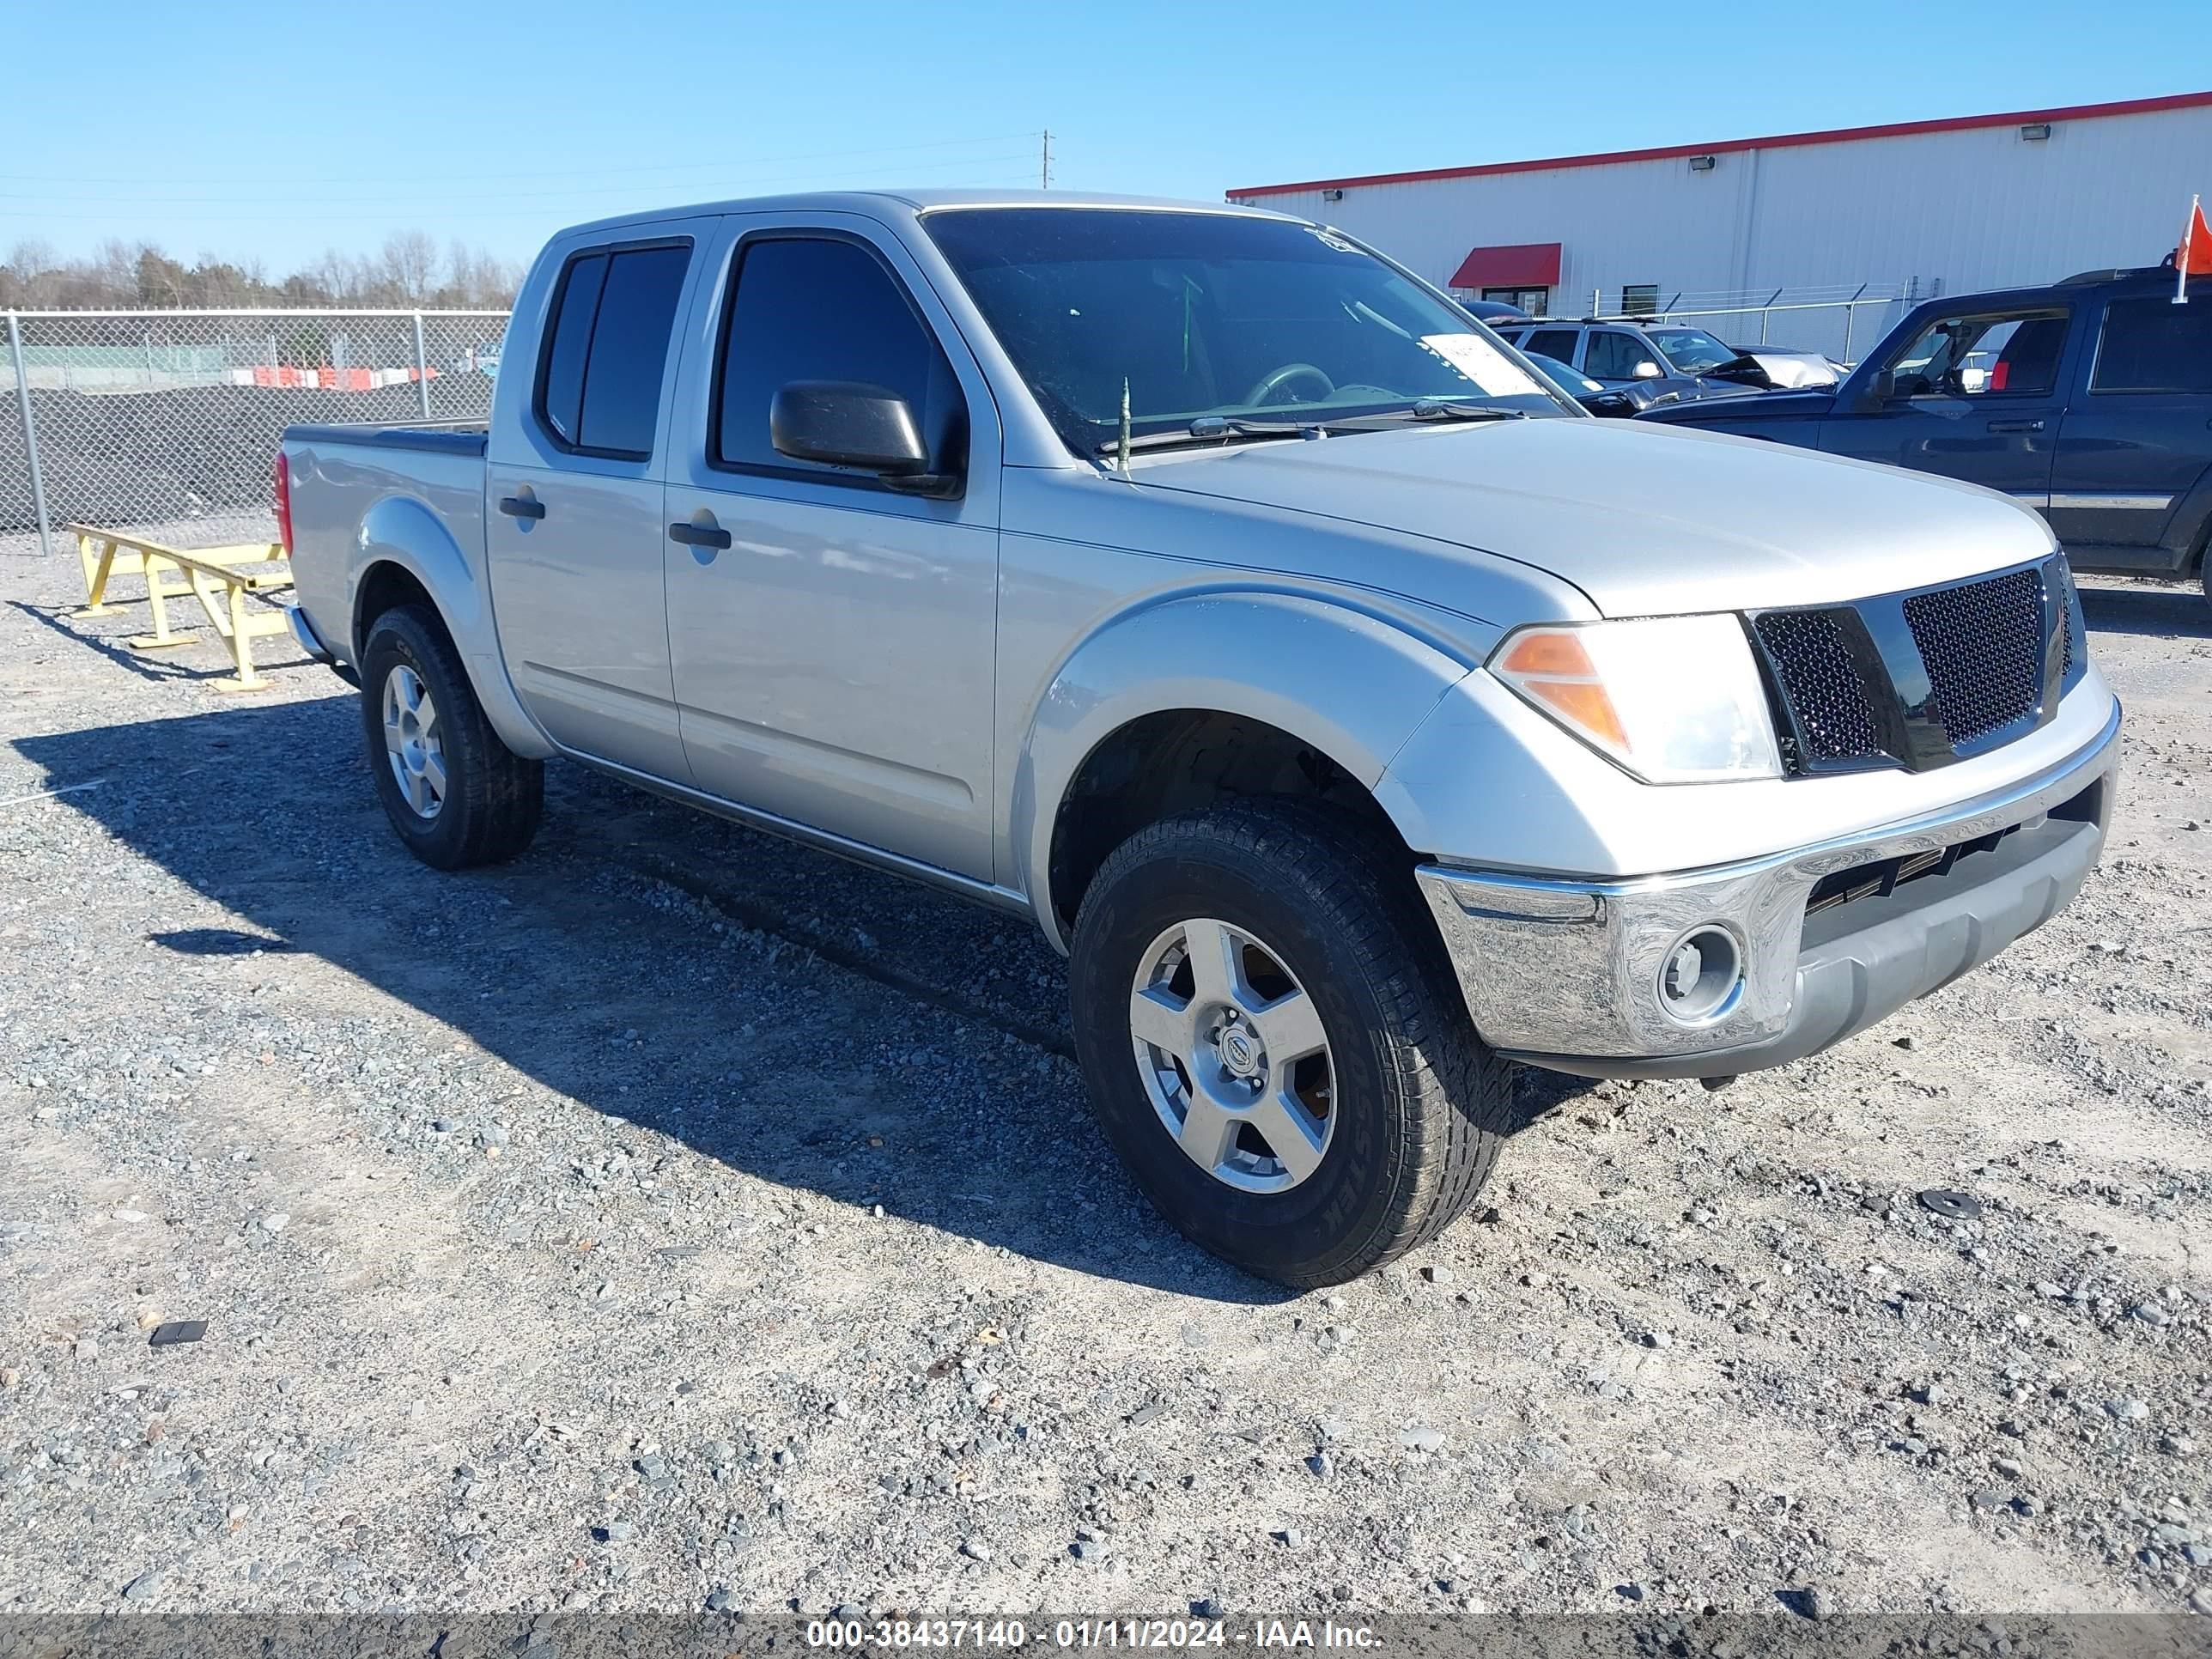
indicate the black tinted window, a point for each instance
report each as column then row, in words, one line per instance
column 608, row 346
column 809, row 309
column 2155, row 345
column 1558, row 342
column 629, row 349
column 570, row 339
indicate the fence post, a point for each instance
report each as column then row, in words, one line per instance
column 30, row 437
column 1851, row 316
column 421, row 367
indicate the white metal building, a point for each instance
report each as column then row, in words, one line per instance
column 1916, row 209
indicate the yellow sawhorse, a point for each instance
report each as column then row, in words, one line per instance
column 220, row 578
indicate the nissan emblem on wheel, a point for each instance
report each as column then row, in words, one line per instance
column 1359, row 716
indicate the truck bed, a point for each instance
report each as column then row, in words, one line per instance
column 408, row 493
column 444, row 437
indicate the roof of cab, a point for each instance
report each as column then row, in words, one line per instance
column 911, row 203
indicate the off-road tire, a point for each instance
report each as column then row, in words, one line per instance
column 1421, row 1102
column 494, row 798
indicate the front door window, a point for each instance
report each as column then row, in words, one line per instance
column 1995, row 354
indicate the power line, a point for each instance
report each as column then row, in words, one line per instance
column 318, row 180
column 326, row 204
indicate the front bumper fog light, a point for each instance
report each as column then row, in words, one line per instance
column 1701, row 976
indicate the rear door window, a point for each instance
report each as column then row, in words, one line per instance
column 825, row 308
column 560, row 399
column 599, row 391
column 2155, row 345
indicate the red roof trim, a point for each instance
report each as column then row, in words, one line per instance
column 1516, row 264
column 1784, row 141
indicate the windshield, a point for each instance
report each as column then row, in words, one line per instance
column 1692, row 350
column 1205, row 315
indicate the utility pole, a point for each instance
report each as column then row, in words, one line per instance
column 1044, row 163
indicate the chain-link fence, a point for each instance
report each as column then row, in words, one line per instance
column 165, row 423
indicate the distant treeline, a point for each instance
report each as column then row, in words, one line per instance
column 408, row 270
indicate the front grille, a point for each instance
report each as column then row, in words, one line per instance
column 1846, row 681
column 1822, row 684
column 1982, row 645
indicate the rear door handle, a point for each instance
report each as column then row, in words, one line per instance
column 699, row 535
column 522, row 506
column 2015, row 426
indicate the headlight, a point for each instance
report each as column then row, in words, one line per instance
column 1671, row 699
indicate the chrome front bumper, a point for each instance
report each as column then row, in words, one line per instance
column 1566, row 974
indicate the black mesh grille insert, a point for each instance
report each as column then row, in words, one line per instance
column 1821, row 684
column 1983, row 644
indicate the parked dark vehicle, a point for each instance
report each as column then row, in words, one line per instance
column 1493, row 312
column 1616, row 402
column 2090, row 400
column 1669, row 361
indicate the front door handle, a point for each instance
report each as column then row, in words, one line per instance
column 699, row 535
column 2015, row 426
column 522, row 506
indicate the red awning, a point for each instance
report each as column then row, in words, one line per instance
column 1523, row 264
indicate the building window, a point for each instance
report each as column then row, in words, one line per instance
column 1530, row 299
column 1639, row 299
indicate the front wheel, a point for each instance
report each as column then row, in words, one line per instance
column 457, row 795
column 1274, row 1044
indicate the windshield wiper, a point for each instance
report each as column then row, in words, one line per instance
column 1218, row 428
column 1439, row 409
column 1431, row 409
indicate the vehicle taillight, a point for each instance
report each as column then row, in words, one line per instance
column 283, row 502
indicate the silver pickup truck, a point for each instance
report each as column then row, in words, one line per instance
column 1357, row 714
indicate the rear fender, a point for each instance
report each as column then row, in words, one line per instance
column 1351, row 685
column 403, row 532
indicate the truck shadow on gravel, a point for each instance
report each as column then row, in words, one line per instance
column 795, row 1017
column 2151, row 610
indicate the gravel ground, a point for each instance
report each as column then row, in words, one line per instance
column 676, row 1218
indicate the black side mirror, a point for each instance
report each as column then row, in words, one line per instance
column 852, row 424
column 1881, row 390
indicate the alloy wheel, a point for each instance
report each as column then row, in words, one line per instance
column 1233, row 1056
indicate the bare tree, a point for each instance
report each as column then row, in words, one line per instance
column 410, row 266
column 407, row 271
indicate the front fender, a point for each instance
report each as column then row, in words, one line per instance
column 401, row 530
column 1352, row 685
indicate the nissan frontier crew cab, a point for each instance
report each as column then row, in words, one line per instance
column 1357, row 714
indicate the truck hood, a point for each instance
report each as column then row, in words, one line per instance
column 1804, row 403
column 1646, row 519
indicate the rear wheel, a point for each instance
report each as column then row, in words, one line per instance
column 1274, row 1044
column 457, row 795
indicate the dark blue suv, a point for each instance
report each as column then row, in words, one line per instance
column 2090, row 400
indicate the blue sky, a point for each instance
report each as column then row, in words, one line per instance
column 276, row 133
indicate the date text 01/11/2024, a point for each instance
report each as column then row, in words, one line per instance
column 1078, row 1633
